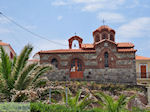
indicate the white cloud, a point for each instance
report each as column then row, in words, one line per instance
column 4, row 30
column 92, row 7
column 111, row 17
column 59, row 3
column 86, row 1
column 134, row 4
column 59, row 18
column 137, row 28
column 103, row 4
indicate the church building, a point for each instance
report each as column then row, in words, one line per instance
column 103, row 61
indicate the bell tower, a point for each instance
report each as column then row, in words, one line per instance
column 79, row 39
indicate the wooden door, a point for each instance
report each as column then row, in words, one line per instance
column 143, row 71
column 76, row 70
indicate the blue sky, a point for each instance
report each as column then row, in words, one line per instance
column 58, row 20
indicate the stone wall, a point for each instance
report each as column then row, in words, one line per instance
column 121, row 65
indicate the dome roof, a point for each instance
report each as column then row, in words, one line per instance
column 104, row 27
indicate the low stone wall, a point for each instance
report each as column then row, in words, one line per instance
column 124, row 76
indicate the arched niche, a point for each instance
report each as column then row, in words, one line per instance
column 97, row 38
column 54, row 62
column 79, row 39
column 104, row 35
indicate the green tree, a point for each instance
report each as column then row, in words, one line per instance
column 17, row 74
column 75, row 103
column 110, row 105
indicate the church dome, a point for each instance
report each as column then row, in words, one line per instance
column 104, row 27
column 104, row 32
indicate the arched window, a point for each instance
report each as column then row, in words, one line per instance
column 75, row 44
column 54, row 62
column 97, row 39
column 104, row 36
column 76, row 65
column 106, row 63
column 111, row 37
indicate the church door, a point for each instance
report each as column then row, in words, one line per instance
column 143, row 71
column 76, row 70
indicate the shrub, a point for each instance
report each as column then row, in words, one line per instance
column 40, row 107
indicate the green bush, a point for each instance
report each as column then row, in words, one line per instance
column 40, row 107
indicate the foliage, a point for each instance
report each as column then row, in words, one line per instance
column 109, row 104
column 74, row 102
column 39, row 107
column 139, row 110
column 17, row 73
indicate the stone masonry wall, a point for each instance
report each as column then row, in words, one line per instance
column 121, row 70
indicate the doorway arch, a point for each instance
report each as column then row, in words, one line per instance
column 76, row 68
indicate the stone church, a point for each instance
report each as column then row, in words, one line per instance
column 103, row 61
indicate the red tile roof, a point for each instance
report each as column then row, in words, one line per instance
column 87, row 46
column 68, row 51
column 106, row 40
column 125, row 45
column 127, row 50
column 142, row 58
column 3, row 44
column 104, row 27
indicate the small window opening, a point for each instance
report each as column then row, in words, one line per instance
column 106, row 59
column 54, row 62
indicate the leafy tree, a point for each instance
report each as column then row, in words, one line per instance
column 18, row 74
column 110, row 105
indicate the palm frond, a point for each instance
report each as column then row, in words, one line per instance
column 27, row 83
column 21, row 61
column 42, row 70
column 22, row 76
column 76, row 98
column 108, row 101
column 84, row 102
column 14, row 62
column 6, row 68
column 121, row 102
column 5, row 64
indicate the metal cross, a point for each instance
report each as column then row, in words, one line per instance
column 75, row 33
column 103, row 22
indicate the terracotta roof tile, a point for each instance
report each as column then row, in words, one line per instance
column 67, row 51
column 127, row 50
column 104, row 27
column 3, row 44
column 142, row 58
column 105, row 40
column 125, row 45
column 87, row 46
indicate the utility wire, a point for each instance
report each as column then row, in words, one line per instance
column 34, row 34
